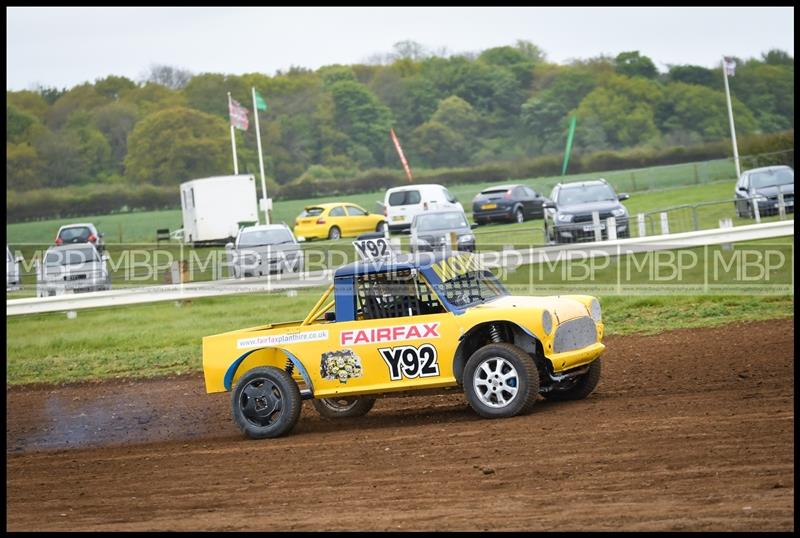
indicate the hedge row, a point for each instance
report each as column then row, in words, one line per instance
column 102, row 199
column 87, row 200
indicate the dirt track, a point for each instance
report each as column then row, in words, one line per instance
column 688, row 430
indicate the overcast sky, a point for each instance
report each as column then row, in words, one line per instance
column 63, row 47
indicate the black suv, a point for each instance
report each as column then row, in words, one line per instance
column 568, row 217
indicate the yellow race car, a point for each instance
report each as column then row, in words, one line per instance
column 433, row 320
column 335, row 220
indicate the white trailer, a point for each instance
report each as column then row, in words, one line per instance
column 214, row 207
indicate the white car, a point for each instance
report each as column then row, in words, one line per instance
column 402, row 204
column 12, row 270
column 72, row 268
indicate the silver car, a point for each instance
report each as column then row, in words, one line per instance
column 442, row 230
column 12, row 270
column 72, row 268
column 263, row 250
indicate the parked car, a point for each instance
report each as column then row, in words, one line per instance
column 568, row 216
column 74, row 267
column 514, row 203
column 762, row 185
column 402, row 204
column 335, row 220
column 12, row 270
column 80, row 233
column 433, row 230
column 265, row 249
column 416, row 323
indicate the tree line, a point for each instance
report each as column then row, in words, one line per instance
column 331, row 124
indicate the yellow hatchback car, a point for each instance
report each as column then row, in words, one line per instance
column 335, row 220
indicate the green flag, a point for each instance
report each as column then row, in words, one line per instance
column 261, row 104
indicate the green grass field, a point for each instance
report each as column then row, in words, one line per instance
column 142, row 226
column 165, row 338
column 319, row 253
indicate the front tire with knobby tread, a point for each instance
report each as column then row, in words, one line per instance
column 501, row 357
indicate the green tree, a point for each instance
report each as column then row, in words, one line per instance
column 693, row 74
column 700, row 113
column 28, row 101
column 113, row 87
column 518, row 62
column 19, row 124
column 208, row 92
column 61, row 161
column 632, row 64
column 458, row 115
column 23, row 168
column 83, row 97
column 437, row 145
column 153, row 97
column 116, row 121
column 359, row 114
column 624, row 110
column 175, row 145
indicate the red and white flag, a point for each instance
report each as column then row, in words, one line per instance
column 238, row 115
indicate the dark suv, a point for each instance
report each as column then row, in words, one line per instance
column 761, row 186
column 568, row 217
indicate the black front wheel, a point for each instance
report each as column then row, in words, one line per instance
column 266, row 403
column 501, row 380
column 343, row 407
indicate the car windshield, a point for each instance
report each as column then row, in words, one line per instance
column 311, row 212
column 471, row 287
column 770, row 178
column 71, row 256
column 69, row 234
column 585, row 194
column 440, row 221
column 276, row 236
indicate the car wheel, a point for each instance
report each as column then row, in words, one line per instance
column 501, row 380
column 581, row 387
column 381, row 227
column 266, row 403
column 736, row 208
column 334, row 233
column 519, row 216
column 343, row 407
column 480, row 222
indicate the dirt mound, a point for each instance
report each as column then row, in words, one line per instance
column 688, row 430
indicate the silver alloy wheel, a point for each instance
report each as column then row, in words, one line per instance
column 339, row 404
column 496, row 382
column 520, row 216
column 334, row 233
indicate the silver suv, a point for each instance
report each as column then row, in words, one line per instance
column 72, row 268
column 264, row 249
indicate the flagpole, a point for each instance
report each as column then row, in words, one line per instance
column 260, row 158
column 730, row 118
column 233, row 139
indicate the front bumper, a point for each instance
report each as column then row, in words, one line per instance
column 579, row 232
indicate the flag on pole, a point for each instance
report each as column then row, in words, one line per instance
column 238, row 115
column 402, row 157
column 730, row 66
column 261, row 104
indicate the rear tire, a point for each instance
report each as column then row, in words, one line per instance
column 265, row 403
column 343, row 407
column 582, row 387
column 501, row 380
column 334, row 233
